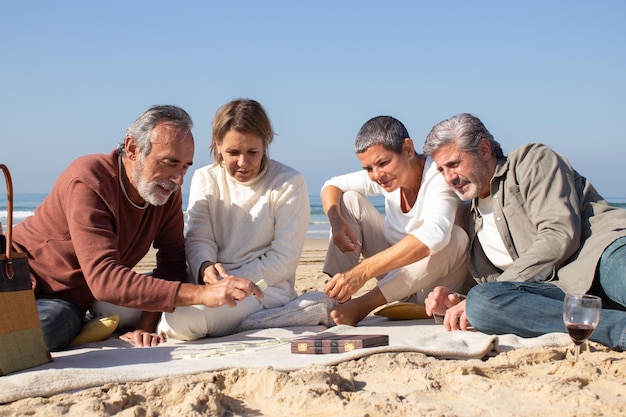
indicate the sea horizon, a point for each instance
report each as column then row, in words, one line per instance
column 24, row 205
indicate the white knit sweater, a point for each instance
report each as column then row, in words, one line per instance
column 255, row 229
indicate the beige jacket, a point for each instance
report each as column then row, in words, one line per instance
column 553, row 222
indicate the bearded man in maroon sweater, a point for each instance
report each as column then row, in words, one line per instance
column 101, row 217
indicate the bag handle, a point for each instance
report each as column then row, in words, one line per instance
column 9, row 234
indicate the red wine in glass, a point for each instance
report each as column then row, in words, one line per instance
column 579, row 332
column 581, row 314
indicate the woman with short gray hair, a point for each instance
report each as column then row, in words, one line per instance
column 414, row 247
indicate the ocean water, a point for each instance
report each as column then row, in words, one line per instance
column 24, row 205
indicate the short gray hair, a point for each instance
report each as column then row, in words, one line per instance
column 385, row 130
column 142, row 128
column 463, row 130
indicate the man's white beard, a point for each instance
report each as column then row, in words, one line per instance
column 148, row 190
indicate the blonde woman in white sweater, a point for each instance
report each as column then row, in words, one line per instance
column 247, row 217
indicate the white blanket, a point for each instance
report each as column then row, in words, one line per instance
column 112, row 360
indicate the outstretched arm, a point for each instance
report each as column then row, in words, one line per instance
column 344, row 285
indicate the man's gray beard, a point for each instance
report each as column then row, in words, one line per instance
column 470, row 194
column 147, row 189
column 480, row 179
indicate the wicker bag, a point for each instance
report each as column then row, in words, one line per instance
column 21, row 338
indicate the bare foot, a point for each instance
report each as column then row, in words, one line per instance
column 349, row 313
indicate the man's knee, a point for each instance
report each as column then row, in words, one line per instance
column 60, row 320
column 487, row 299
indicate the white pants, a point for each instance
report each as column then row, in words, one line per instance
column 198, row 321
column 413, row 282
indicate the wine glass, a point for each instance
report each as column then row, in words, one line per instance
column 581, row 314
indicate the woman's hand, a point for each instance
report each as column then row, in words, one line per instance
column 208, row 273
column 343, row 286
column 142, row 338
column 343, row 237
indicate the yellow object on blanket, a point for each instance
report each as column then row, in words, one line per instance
column 96, row 330
column 403, row 311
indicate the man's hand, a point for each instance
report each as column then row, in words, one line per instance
column 230, row 290
column 442, row 301
column 141, row 338
column 145, row 336
column 227, row 291
column 439, row 300
column 455, row 318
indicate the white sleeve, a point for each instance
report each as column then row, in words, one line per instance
column 200, row 244
column 357, row 181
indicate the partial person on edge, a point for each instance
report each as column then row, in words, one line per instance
column 538, row 230
column 247, row 217
column 413, row 248
column 103, row 214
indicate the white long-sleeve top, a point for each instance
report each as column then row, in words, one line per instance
column 432, row 216
column 255, row 229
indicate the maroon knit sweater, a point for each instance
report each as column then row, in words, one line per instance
column 86, row 236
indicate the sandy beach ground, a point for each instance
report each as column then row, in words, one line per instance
column 523, row 382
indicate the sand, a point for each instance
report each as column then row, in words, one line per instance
column 523, row 382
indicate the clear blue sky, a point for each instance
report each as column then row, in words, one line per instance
column 75, row 74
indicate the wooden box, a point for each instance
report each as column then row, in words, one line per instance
column 333, row 343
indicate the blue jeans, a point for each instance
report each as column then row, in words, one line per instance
column 61, row 322
column 530, row 309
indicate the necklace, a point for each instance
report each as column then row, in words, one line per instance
column 408, row 199
column 145, row 204
column 408, row 196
